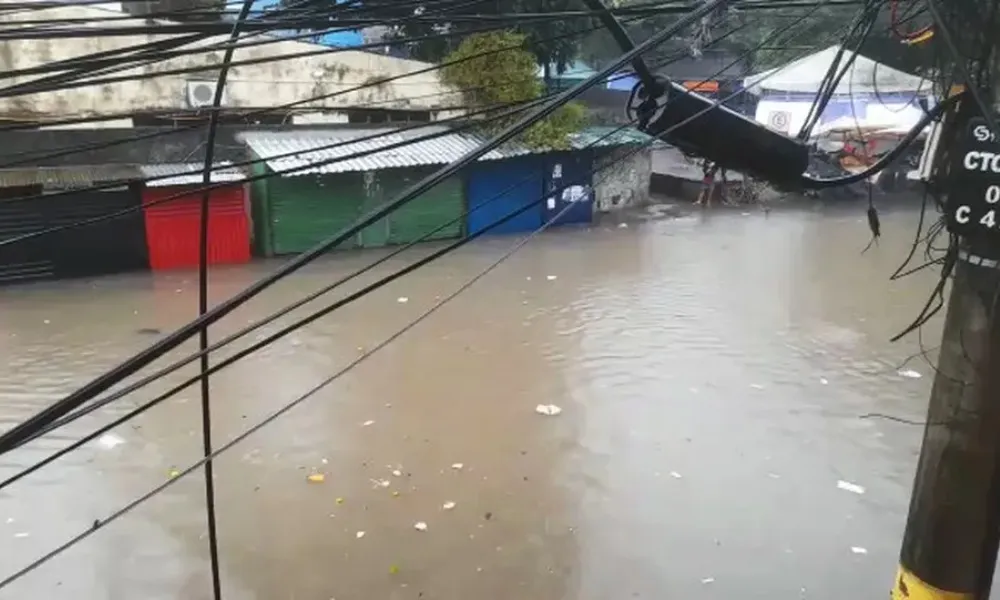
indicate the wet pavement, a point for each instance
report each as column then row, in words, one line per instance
column 712, row 373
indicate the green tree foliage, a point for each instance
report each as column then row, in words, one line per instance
column 505, row 74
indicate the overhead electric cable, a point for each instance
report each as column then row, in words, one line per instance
column 24, row 430
column 171, row 368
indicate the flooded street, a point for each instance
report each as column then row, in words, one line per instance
column 712, row 373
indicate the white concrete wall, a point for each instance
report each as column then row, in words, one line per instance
column 268, row 84
column 621, row 179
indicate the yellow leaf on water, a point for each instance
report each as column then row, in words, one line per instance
column 173, row 473
column 316, row 478
column 393, row 569
column 340, row 500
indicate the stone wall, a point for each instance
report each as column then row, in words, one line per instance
column 621, row 179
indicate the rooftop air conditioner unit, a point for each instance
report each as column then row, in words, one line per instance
column 202, row 93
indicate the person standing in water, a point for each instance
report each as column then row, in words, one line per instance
column 707, row 184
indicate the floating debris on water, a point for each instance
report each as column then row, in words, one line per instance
column 110, row 440
column 316, row 478
column 359, row 535
column 402, row 300
column 548, row 409
column 756, row 386
column 397, row 473
column 340, row 500
column 824, row 380
column 380, row 483
column 172, row 473
column 910, row 374
column 368, row 423
column 551, row 277
column 675, row 475
column 859, row 550
column 458, row 466
column 21, row 534
column 850, row 487
column 708, row 580
column 448, row 505
column 420, row 526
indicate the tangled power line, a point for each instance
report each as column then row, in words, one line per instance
column 667, row 111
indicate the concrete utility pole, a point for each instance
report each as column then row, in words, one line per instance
column 952, row 533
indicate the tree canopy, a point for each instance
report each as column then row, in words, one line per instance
column 494, row 70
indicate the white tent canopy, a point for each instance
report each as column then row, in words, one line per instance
column 865, row 76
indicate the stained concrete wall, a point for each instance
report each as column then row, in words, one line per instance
column 295, row 71
column 621, row 179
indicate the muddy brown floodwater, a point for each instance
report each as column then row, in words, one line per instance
column 712, row 371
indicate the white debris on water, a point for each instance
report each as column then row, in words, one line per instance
column 367, row 423
column 551, row 277
column 109, row 441
column 859, row 550
column 824, row 381
column 708, row 580
column 397, row 473
column 448, row 505
column 458, row 466
column 420, row 526
column 756, row 386
column 359, row 535
column 21, row 534
column 910, row 374
column 402, row 300
column 847, row 486
column 548, row 409
column 676, row 475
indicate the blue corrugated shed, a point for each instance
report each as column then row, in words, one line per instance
column 496, row 189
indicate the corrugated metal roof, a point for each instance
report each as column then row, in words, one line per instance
column 604, row 136
column 189, row 173
column 68, row 177
column 328, row 150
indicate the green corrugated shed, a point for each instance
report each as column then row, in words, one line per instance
column 294, row 212
column 442, row 203
column 306, row 210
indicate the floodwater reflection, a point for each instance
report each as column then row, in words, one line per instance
column 711, row 373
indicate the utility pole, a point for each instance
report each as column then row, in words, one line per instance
column 952, row 533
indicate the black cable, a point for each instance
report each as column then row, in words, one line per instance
column 517, row 107
column 251, row 114
column 129, row 389
column 941, row 28
column 808, row 182
column 833, row 78
column 19, row 433
column 26, row 88
column 270, row 339
column 142, row 499
column 206, row 410
column 409, row 268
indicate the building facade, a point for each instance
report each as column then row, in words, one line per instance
column 291, row 79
